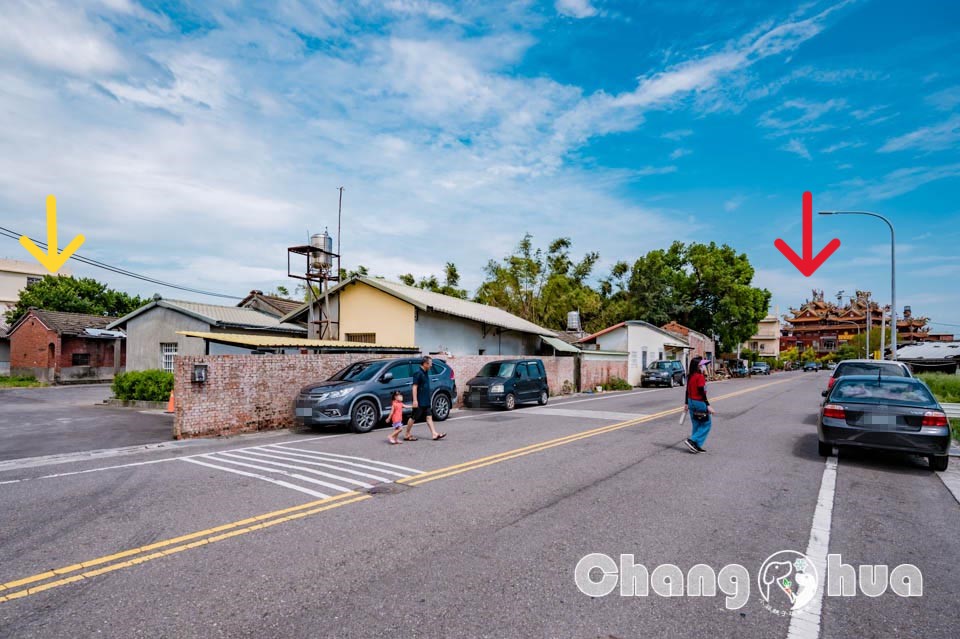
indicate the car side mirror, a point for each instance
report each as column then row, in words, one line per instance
column 387, row 377
column 823, row 393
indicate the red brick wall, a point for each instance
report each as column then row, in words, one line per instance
column 559, row 369
column 594, row 373
column 100, row 350
column 28, row 348
column 246, row 393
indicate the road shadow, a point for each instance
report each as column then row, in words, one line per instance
column 887, row 461
column 812, row 419
column 805, row 447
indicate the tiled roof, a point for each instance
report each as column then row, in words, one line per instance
column 67, row 323
column 221, row 316
column 281, row 304
column 437, row 302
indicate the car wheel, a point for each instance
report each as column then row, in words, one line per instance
column 643, row 384
column 939, row 462
column 364, row 417
column 544, row 398
column 673, row 382
column 441, row 407
column 825, row 450
column 510, row 401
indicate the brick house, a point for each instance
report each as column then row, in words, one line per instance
column 66, row 347
column 700, row 344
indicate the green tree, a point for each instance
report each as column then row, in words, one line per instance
column 791, row 354
column 703, row 286
column 73, row 295
column 808, row 355
column 858, row 345
column 450, row 285
column 543, row 286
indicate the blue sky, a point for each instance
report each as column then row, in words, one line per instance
column 195, row 141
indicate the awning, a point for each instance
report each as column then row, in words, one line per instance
column 559, row 345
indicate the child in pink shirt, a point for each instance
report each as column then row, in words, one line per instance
column 396, row 417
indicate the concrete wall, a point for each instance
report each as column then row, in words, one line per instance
column 148, row 330
column 369, row 310
column 597, row 369
column 445, row 333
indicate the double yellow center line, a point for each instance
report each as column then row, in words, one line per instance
column 134, row 556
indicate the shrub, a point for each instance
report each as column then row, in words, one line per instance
column 21, row 381
column 147, row 386
column 616, row 383
column 945, row 387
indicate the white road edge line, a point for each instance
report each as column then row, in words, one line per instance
column 805, row 623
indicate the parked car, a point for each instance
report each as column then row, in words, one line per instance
column 831, row 366
column 891, row 413
column 361, row 394
column 811, row 366
column 663, row 372
column 760, row 368
column 879, row 367
column 507, row 383
column 739, row 370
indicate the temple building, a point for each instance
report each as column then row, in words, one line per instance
column 824, row 326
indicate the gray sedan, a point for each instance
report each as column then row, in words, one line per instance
column 891, row 413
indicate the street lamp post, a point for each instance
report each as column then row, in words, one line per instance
column 853, row 324
column 893, row 273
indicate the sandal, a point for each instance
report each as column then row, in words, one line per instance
column 392, row 440
column 411, row 438
column 439, row 436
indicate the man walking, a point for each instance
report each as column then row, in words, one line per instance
column 422, row 396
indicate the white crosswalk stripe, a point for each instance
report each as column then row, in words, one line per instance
column 299, row 466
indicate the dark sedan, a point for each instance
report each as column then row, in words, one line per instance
column 889, row 413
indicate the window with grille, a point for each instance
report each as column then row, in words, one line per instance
column 33, row 280
column 167, row 351
column 363, row 338
column 81, row 359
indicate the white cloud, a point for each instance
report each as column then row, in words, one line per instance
column 946, row 100
column 733, row 203
column 679, row 153
column 677, row 135
column 798, row 147
column 431, row 10
column 57, row 37
column 846, row 144
column 656, row 170
column 896, row 183
column 940, row 137
column 576, row 8
column 793, row 114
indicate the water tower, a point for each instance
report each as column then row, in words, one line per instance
column 321, row 268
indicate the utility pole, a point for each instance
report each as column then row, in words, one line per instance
column 869, row 314
column 883, row 330
column 339, row 214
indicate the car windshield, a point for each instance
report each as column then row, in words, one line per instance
column 870, row 368
column 659, row 366
column 358, row 372
column 883, row 391
column 497, row 369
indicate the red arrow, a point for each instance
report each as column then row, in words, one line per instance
column 808, row 264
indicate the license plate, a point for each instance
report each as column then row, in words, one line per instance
column 304, row 412
column 881, row 420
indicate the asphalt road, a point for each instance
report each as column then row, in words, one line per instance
column 56, row 420
column 297, row 534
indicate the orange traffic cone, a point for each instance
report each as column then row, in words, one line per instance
column 170, row 404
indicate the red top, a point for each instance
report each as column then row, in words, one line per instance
column 396, row 415
column 696, row 387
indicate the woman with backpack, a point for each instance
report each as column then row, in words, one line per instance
column 698, row 406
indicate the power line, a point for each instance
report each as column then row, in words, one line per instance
column 85, row 260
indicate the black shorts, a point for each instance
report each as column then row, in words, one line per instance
column 420, row 414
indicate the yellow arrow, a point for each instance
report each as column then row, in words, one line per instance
column 52, row 260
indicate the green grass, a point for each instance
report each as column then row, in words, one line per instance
column 946, row 388
column 19, row 382
column 955, row 428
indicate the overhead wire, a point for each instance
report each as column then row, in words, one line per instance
column 121, row 271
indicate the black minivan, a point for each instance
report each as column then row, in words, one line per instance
column 507, row 383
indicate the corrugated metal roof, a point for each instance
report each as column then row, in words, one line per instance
column 559, row 345
column 430, row 301
column 222, row 316
column 930, row 350
column 279, row 341
column 678, row 341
